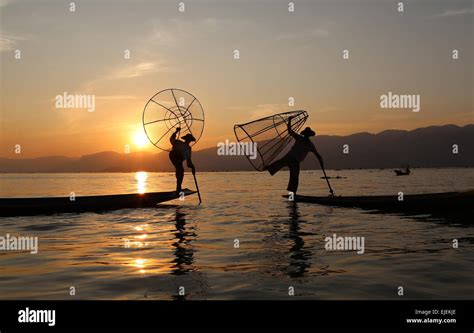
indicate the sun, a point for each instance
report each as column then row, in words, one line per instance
column 140, row 139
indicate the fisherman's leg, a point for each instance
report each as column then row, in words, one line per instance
column 178, row 165
column 274, row 167
column 294, row 177
column 179, row 176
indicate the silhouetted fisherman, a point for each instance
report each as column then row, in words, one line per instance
column 181, row 151
column 296, row 155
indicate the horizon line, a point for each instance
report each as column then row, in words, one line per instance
column 161, row 151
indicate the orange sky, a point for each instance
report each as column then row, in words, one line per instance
column 282, row 55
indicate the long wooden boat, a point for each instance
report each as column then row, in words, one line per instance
column 96, row 203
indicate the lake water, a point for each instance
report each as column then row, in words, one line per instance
column 151, row 253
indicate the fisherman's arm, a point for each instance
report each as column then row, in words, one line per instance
column 173, row 136
column 290, row 130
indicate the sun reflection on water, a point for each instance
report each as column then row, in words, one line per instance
column 141, row 264
column 141, row 178
column 141, row 227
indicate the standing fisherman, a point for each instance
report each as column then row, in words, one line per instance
column 296, row 155
column 181, row 151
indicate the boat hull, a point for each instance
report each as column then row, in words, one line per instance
column 99, row 203
column 455, row 202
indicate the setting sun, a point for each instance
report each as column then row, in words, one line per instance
column 140, row 139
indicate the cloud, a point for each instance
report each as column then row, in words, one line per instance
column 316, row 33
column 176, row 31
column 126, row 72
column 9, row 42
column 328, row 109
column 3, row 3
column 115, row 97
column 249, row 113
column 265, row 110
column 320, row 33
column 454, row 12
column 138, row 70
column 162, row 36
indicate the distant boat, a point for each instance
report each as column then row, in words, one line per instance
column 402, row 173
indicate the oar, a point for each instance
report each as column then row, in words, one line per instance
column 327, row 180
column 197, row 187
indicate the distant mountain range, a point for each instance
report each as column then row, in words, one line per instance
column 422, row 147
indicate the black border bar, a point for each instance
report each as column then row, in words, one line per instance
column 387, row 315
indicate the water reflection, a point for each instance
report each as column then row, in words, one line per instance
column 141, row 178
column 184, row 251
column 141, row 265
column 299, row 256
column 140, row 240
column 462, row 219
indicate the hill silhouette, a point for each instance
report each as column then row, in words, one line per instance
column 423, row 147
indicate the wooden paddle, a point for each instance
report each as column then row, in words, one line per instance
column 197, row 187
column 327, row 180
